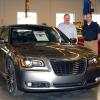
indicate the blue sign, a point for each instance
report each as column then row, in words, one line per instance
column 86, row 7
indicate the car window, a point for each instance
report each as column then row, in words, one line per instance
column 4, row 33
column 63, row 36
column 37, row 34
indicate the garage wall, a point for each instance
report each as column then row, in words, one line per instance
column 46, row 9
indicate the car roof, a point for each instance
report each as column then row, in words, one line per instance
column 28, row 25
column 25, row 25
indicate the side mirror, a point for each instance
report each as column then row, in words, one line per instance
column 73, row 40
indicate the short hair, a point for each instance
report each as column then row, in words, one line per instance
column 66, row 15
column 89, row 13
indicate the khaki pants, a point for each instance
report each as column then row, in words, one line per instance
column 92, row 45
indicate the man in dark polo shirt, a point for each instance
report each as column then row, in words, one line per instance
column 91, row 33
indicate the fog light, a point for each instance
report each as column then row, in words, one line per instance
column 97, row 79
column 29, row 84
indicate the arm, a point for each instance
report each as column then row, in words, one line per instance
column 75, row 38
column 98, row 36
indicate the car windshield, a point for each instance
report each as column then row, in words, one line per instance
column 36, row 34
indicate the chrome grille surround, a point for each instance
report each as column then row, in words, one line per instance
column 65, row 67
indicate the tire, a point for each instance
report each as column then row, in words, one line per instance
column 11, row 78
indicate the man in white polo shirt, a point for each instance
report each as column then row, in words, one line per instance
column 67, row 28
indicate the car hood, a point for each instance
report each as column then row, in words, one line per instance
column 53, row 50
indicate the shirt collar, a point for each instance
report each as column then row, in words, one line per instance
column 89, row 23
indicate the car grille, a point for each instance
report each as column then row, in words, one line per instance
column 68, row 67
column 67, row 84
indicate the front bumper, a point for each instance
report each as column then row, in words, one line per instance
column 43, row 81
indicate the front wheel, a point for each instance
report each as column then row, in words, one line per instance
column 11, row 78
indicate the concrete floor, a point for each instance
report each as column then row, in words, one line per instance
column 92, row 94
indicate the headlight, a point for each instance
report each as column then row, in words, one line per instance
column 92, row 61
column 31, row 63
